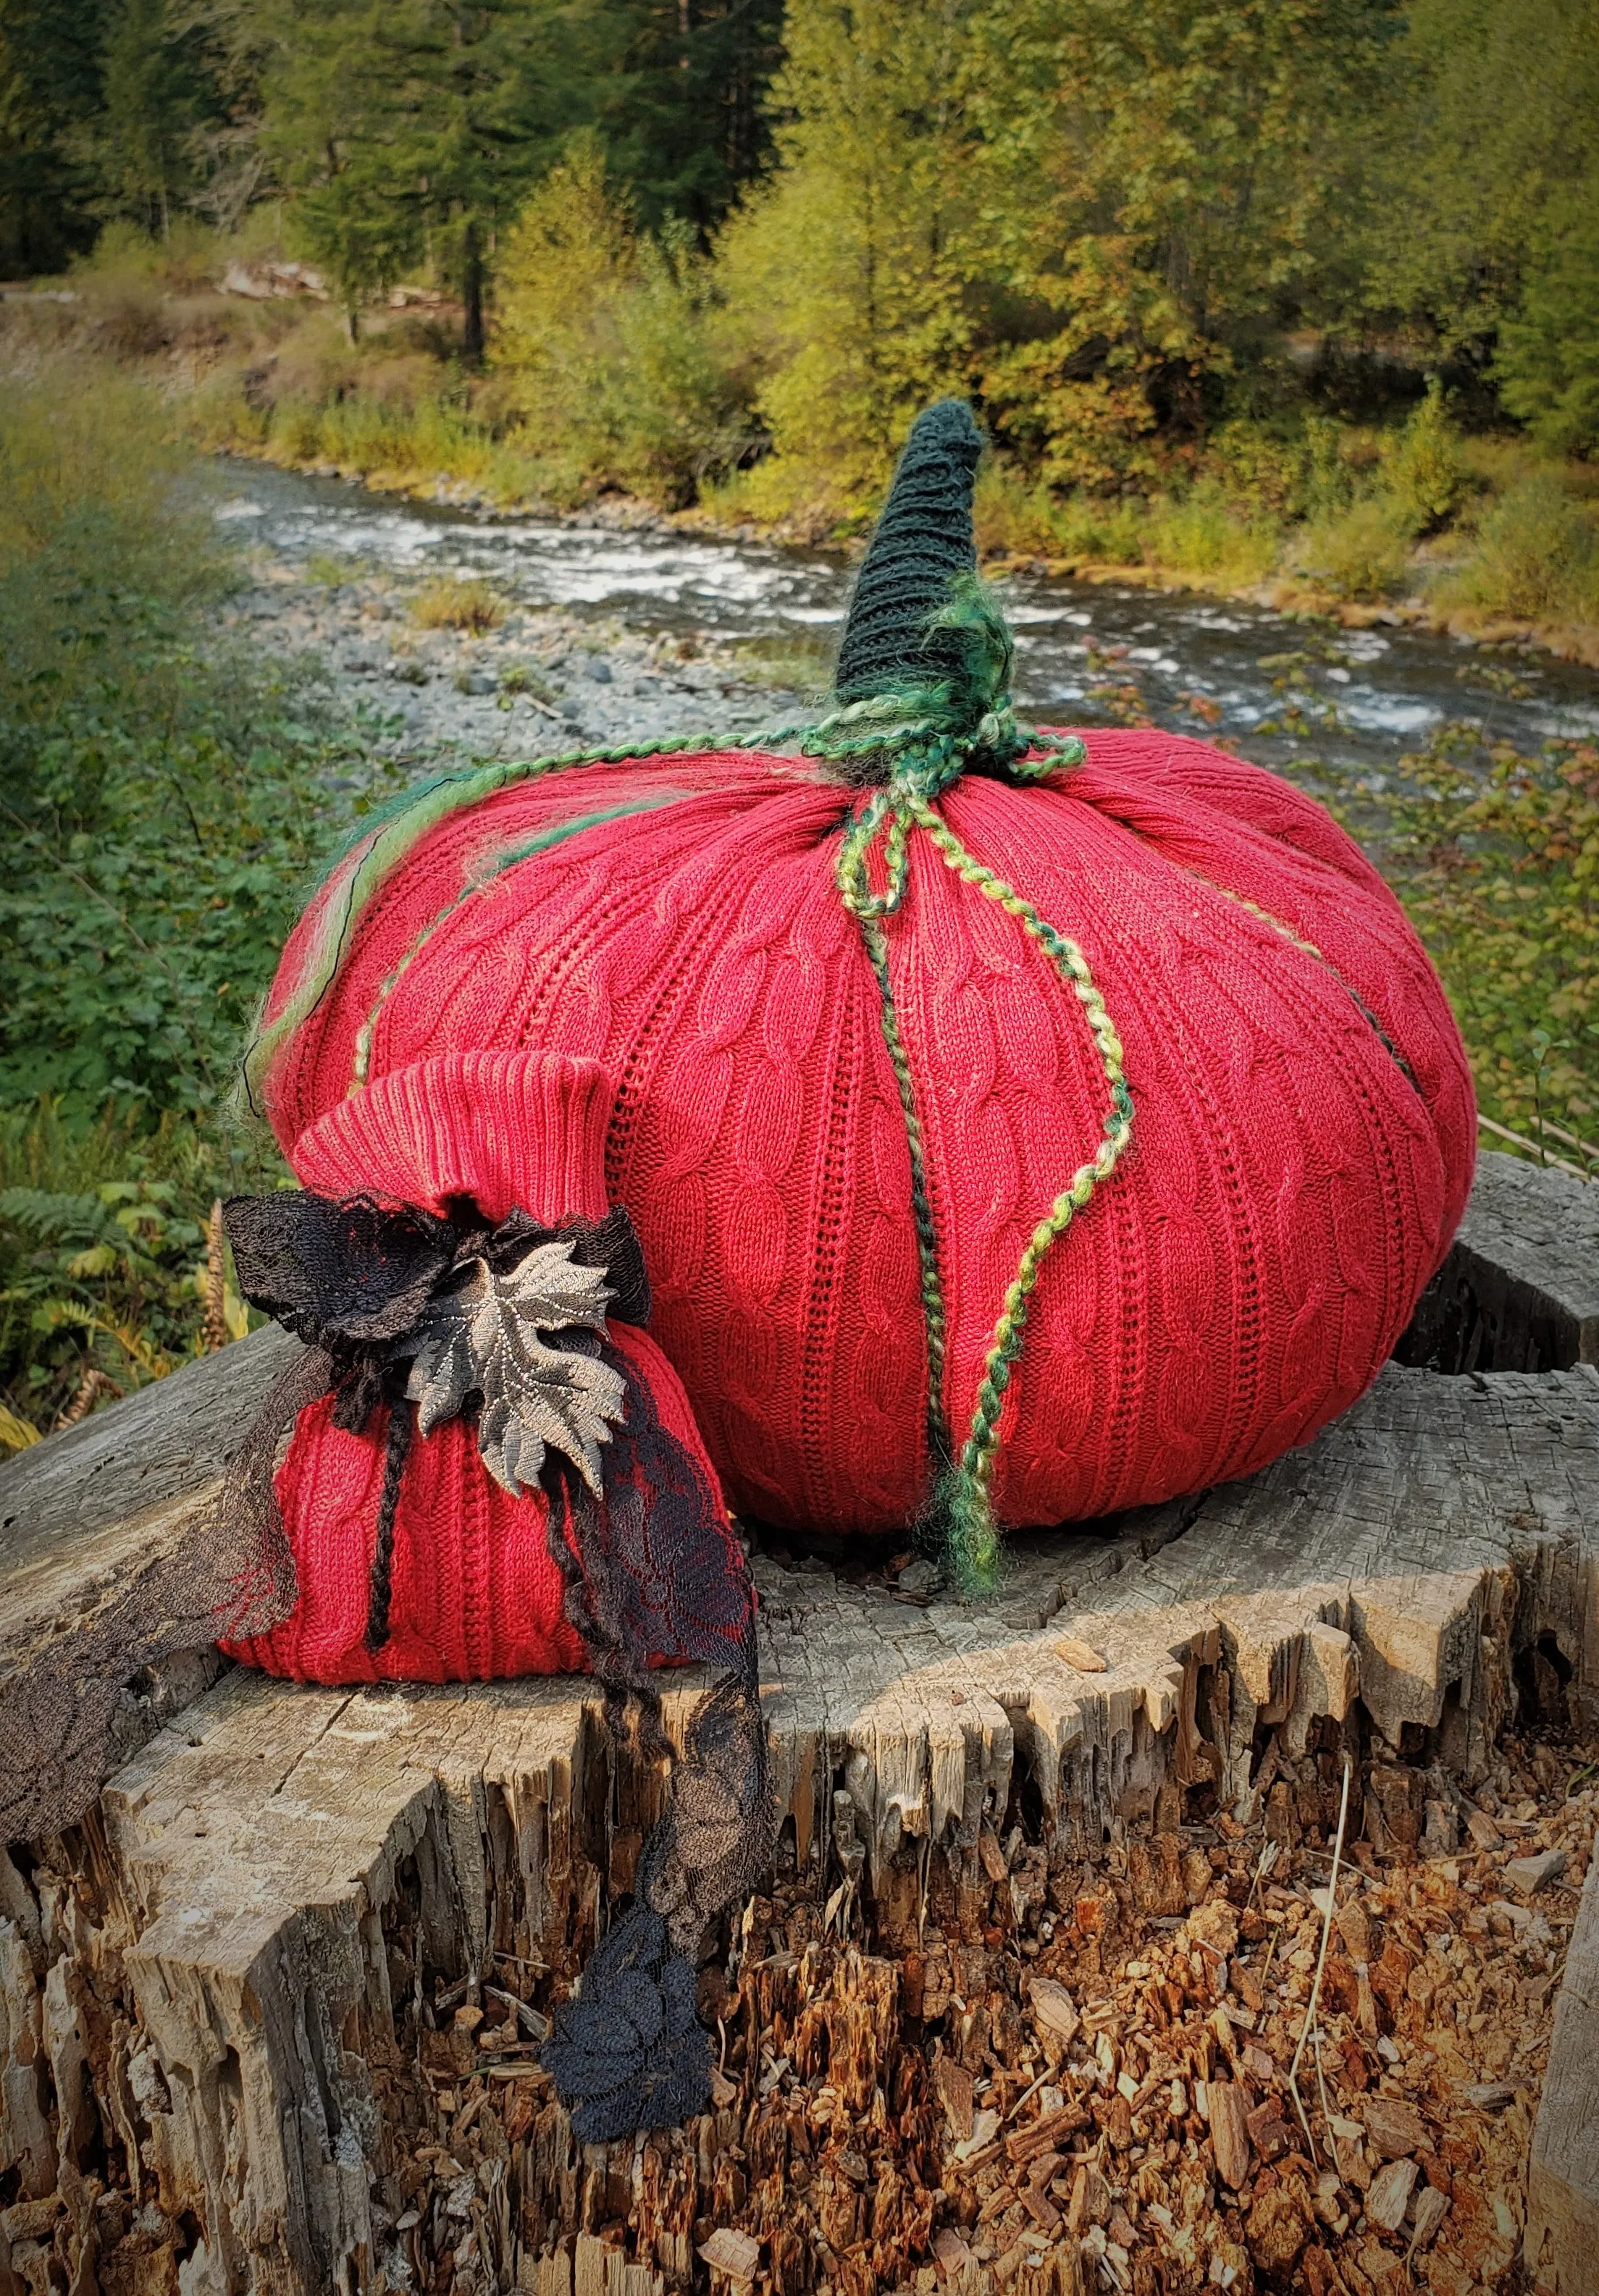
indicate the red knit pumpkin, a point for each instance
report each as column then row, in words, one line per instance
column 1305, row 1125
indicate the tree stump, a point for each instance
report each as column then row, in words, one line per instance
column 219, row 1994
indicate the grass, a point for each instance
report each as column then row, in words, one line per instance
column 165, row 801
column 457, row 603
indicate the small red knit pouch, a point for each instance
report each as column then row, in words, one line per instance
column 475, row 1590
column 493, row 1469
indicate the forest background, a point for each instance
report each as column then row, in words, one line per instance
column 1299, row 298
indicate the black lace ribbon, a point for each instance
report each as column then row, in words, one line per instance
column 652, row 1570
column 353, row 1278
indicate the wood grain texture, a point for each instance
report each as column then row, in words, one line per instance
column 238, row 1897
column 1562, row 2227
column 1520, row 1289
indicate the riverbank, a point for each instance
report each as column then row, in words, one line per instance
column 426, row 670
column 1410, row 523
column 1287, row 590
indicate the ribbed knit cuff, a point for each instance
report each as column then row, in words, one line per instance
column 505, row 1128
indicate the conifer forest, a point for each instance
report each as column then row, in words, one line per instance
column 1288, row 300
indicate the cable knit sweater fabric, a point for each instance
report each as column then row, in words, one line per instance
column 476, row 1593
column 1305, row 1133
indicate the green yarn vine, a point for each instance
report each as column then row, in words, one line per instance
column 922, row 740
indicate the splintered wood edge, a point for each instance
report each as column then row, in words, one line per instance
column 1562, row 2195
column 256, row 1842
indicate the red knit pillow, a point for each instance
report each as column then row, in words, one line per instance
column 475, row 1592
column 1304, row 1139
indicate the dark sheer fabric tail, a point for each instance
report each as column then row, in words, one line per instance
column 411, row 1318
column 657, row 1572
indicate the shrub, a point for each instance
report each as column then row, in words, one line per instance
column 1359, row 554
column 1536, row 555
column 1423, row 471
column 1208, row 537
column 103, row 1276
column 161, row 802
column 163, row 805
column 605, row 334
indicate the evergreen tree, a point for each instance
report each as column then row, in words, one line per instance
column 1162, row 191
column 1549, row 358
column 680, row 97
column 152, row 105
column 409, row 130
column 49, row 91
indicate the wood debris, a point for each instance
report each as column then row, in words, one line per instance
column 1015, row 2073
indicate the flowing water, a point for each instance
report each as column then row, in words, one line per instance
column 1087, row 652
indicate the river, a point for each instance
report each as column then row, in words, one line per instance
column 1087, row 652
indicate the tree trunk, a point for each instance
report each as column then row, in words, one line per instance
column 228, row 1994
column 472, row 296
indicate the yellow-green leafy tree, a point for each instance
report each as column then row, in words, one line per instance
column 842, row 274
column 603, row 333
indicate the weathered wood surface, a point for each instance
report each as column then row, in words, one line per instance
column 230, row 1922
column 216, row 1962
column 84, row 1512
column 1562, row 2223
column 1520, row 1289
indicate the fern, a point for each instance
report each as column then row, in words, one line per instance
column 54, row 1216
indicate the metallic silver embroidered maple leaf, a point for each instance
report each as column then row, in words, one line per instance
column 487, row 1335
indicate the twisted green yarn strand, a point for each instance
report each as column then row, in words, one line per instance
column 974, row 1540
column 962, row 1514
column 928, row 736
column 926, row 1252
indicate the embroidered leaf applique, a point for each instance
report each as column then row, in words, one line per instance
column 501, row 1336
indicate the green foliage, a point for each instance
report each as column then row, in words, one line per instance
column 162, row 806
column 841, row 275
column 1548, row 360
column 1423, row 471
column 1534, row 557
column 1495, row 856
column 1491, row 120
column 662, row 73
column 103, row 1250
column 161, row 803
column 1358, row 553
column 49, row 87
column 609, row 337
